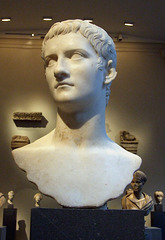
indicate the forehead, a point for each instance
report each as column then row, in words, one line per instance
column 67, row 42
column 137, row 178
column 159, row 194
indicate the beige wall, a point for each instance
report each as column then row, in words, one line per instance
column 136, row 104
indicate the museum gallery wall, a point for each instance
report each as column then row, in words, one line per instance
column 136, row 105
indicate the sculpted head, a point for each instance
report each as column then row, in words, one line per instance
column 11, row 195
column 101, row 42
column 139, row 179
column 158, row 197
column 38, row 197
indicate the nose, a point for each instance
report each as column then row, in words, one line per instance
column 61, row 70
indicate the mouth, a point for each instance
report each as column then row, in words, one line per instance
column 63, row 84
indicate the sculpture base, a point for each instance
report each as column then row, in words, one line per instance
column 158, row 220
column 9, row 220
column 86, row 224
column 153, row 233
column 2, row 233
column 158, row 207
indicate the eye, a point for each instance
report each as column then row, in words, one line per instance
column 49, row 61
column 77, row 55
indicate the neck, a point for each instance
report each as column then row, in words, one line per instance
column 138, row 195
column 82, row 129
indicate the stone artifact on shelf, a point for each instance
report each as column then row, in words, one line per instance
column 136, row 199
column 19, row 141
column 77, row 163
column 27, row 116
column 128, row 142
column 158, row 195
column 38, row 198
column 2, row 199
column 10, row 199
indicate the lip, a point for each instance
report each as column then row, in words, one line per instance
column 63, row 84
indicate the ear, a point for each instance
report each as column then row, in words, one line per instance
column 111, row 74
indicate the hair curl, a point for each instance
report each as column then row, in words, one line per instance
column 141, row 175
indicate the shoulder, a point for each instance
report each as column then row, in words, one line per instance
column 41, row 142
column 122, row 154
column 37, row 145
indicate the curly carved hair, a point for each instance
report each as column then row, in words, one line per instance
column 98, row 38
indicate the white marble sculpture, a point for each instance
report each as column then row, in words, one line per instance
column 77, row 163
column 37, row 198
column 10, row 199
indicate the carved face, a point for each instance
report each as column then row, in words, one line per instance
column 71, row 71
column 37, row 198
column 137, row 184
column 10, row 195
column 159, row 198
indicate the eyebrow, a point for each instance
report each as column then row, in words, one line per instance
column 72, row 50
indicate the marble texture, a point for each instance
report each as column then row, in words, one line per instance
column 77, row 163
column 75, row 177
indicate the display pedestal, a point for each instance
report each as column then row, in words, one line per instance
column 158, row 220
column 158, row 207
column 9, row 220
column 86, row 224
column 153, row 233
column 3, row 233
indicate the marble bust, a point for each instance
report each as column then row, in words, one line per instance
column 10, row 199
column 77, row 163
column 158, row 195
column 135, row 198
column 37, row 198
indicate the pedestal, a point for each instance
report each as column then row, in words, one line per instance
column 158, row 207
column 153, row 233
column 9, row 220
column 3, row 233
column 86, row 224
column 158, row 220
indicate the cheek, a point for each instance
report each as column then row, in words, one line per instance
column 49, row 78
column 86, row 69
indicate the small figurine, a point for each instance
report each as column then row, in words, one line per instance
column 2, row 199
column 158, row 197
column 136, row 199
column 128, row 137
column 38, row 198
column 158, row 207
column 10, row 199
